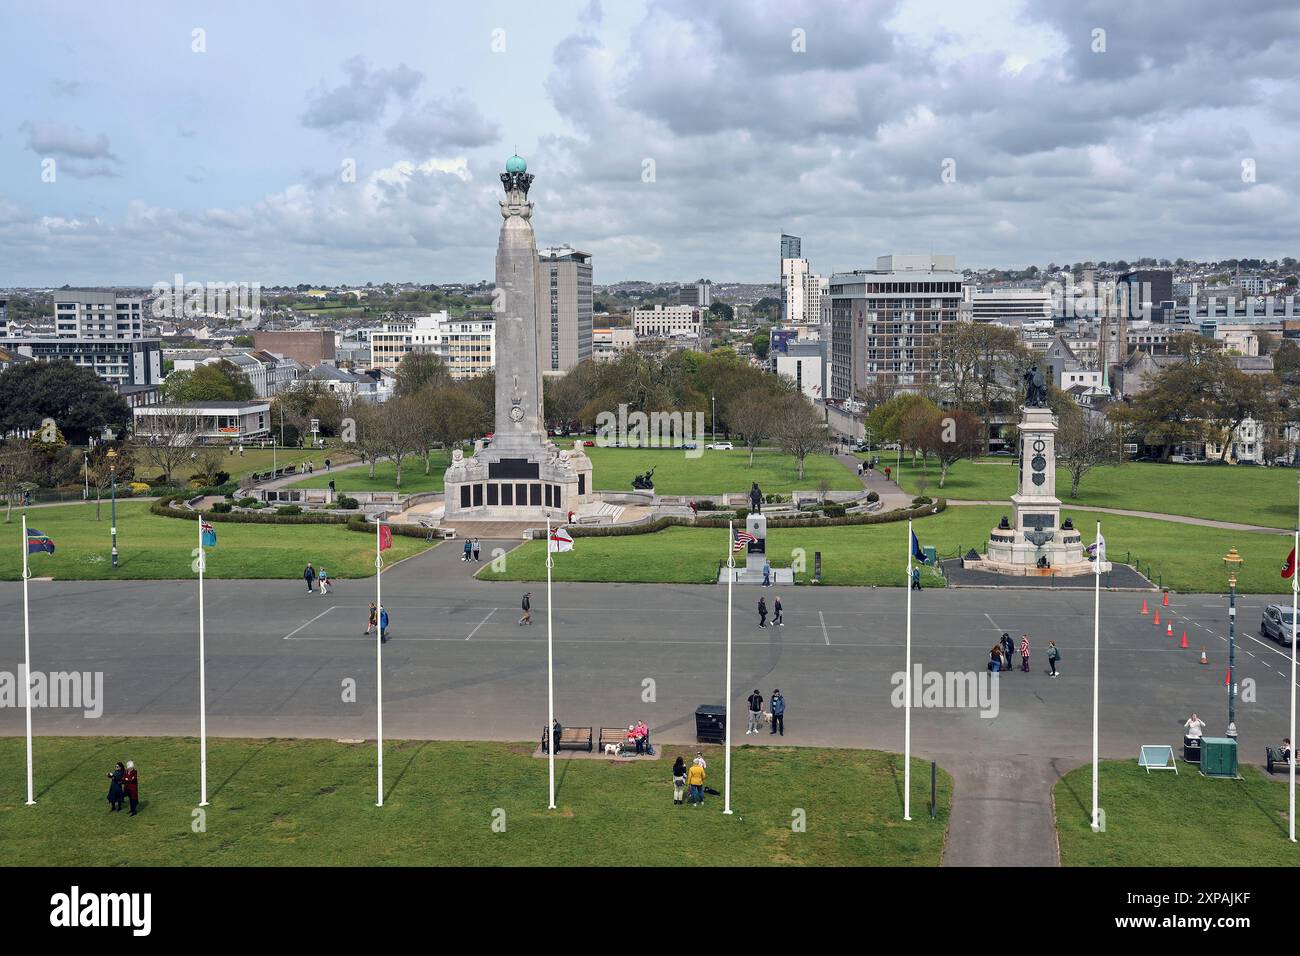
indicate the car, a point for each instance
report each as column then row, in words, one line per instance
column 1276, row 623
column 720, row 446
column 588, row 444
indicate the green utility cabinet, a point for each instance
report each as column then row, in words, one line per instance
column 1219, row 757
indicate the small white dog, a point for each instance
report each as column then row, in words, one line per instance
column 611, row 750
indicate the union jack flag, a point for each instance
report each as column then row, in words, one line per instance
column 742, row 538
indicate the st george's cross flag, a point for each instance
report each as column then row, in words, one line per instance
column 1288, row 568
column 561, row 540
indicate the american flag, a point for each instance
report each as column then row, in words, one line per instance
column 742, row 538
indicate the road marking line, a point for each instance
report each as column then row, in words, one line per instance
column 312, row 621
column 822, row 618
column 481, row 623
column 994, row 623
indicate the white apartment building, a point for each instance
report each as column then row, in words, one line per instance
column 1011, row 306
column 609, row 344
column 466, row 346
column 801, row 293
column 662, row 322
column 85, row 314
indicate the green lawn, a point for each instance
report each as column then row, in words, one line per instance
column 259, row 460
column 715, row 472
column 152, row 547
column 1183, row 557
column 1159, row 819
column 358, row 479
column 300, row 802
column 1251, row 495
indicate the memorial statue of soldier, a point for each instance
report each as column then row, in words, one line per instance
column 756, row 499
column 1035, row 388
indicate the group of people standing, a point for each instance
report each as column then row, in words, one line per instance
column 123, row 785
column 471, row 551
column 777, row 705
column 313, row 576
column 1003, row 652
column 692, row 776
column 378, row 620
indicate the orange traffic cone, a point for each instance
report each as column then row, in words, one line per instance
column 1204, row 659
column 1156, row 622
column 1169, row 630
column 1144, row 606
column 1165, row 602
column 1184, row 644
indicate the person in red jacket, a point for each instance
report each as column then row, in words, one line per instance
column 131, row 784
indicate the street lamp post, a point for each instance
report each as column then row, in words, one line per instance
column 713, row 399
column 112, row 476
column 1232, row 560
column 85, row 493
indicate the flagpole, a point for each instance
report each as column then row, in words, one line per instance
column 907, row 688
column 27, row 658
column 203, row 689
column 379, row 663
column 1295, row 599
column 1096, row 669
column 726, row 706
column 550, row 673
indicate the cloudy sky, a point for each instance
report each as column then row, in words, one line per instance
column 670, row 138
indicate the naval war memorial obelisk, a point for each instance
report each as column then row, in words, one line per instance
column 520, row 476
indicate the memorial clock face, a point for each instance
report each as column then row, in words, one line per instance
column 516, row 414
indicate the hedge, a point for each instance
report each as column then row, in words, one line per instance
column 164, row 508
column 358, row 523
column 650, row 527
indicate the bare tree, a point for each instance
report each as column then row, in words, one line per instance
column 369, row 438
column 101, row 476
column 457, row 416
column 1082, row 442
column 799, row 428
column 752, row 414
column 951, row 437
column 168, row 440
column 401, row 432
column 17, row 467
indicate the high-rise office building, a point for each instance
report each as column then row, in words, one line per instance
column 563, row 308
column 1145, row 290
column 886, row 323
column 791, row 247
column 704, row 293
column 4, row 318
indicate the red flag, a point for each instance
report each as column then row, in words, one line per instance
column 1288, row 568
column 1227, row 677
column 385, row 537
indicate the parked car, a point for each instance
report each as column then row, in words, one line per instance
column 1276, row 624
column 720, row 446
column 588, row 444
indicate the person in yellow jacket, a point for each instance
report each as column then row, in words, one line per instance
column 695, row 778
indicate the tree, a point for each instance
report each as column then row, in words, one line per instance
column 798, row 428
column 79, row 402
column 208, row 464
column 400, row 431
column 980, row 365
column 761, row 341
column 418, row 371
column 100, row 476
column 168, row 440
column 221, row 381
column 1084, row 441
column 722, row 311
column 752, row 414
column 951, row 437
column 369, row 437
column 17, row 469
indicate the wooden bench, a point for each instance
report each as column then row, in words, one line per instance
column 571, row 738
column 617, row 735
column 1275, row 762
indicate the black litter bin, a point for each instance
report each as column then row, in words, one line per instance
column 710, row 724
column 1192, row 749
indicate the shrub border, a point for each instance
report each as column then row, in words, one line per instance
column 668, row 521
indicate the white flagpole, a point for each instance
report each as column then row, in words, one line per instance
column 27, row 656
column 907, row 688
column 726, row 706
column 1096, row 670
column 379, row 664
column 550, row 672
column 1295, row 625
column 203, row 688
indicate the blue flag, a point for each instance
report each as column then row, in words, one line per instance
column 917, row 553
column 208, row 534
column 36, row 542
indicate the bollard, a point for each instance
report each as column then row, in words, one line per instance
column 933, row 793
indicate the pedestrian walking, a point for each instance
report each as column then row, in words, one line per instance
column 309, row 575
column 755, row 712
column 776, row 613
column 695, row 509
column 324, row 581
column 762, row 613
column 373, row 620
column 1008, row 649
column 888, row 472
column 476, row 551
column 1024, row 652
column 1053, row 657
column 916, row 579
column 695, row 777
column 859, row 469
column 115, row 778
column 131, row 784
column 679, row 780
column 468, row 549
column 383, row 625
column 777, row 704
column 528, row 609
column 767, row 574
column 327, row 464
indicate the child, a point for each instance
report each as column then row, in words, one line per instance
column 324, row 581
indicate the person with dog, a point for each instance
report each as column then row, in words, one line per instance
column 679, row 780
column 755, row 711
column 777, row 703
column 695, row 777
column 467, row 550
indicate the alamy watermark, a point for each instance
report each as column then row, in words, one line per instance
column 684, row 430
column 942, row 690
column 179, row 299
column 77, row 690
